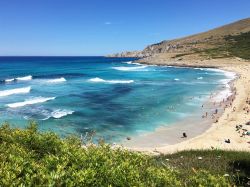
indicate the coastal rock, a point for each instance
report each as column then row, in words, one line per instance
column 137, row 54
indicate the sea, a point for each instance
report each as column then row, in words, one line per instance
column 113, row 98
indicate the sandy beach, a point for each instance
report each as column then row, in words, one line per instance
column 210, row 134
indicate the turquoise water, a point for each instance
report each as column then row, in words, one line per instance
column 112, row 96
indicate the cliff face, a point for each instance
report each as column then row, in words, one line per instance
column 191, row 44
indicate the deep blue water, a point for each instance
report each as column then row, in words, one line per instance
column 111, row 96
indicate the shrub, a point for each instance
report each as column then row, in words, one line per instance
column 31, row 158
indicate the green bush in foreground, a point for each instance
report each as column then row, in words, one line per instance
column 32, row 158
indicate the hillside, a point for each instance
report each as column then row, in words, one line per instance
column 223, row 38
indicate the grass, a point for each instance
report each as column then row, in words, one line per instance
column 234, row 163
column 239, row 45
column 230, row 46
column 233, row 46
column 32, row 158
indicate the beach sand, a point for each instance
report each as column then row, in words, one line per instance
column 209, row 135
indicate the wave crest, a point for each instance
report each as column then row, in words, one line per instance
column 9, row 80
column 15, row 91
column 97, row 79
column 26, row 78
column 61, row 113
column 58, row 80
column 30, row 102
column 131, row 62
column 125, row 68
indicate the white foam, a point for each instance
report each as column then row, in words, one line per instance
column 58, row 80
column 215, row 70
column 199, row 69
column 61, row 113
column 15, row 91
column 222, row 95
column 9, row 80
column 228, row 74
column 26, row 78
column 131, row 62
column 30, row 102
column 176, row 79
column 200, row 78
column 97, row 79
column 224, row 81
column 124, row 68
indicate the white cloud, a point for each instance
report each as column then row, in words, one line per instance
column 107, row 23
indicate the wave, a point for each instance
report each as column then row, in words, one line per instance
column 200, row 78
column 26, row 78
column 58, row 80
column 176, row 79
column 97, row 79
column 131, row 62
column 228, row 74
column 30, row 102
column 9, row 80
column 224, row 81
column 222, row 95
column 199, row 69
column 125, row 68
column 61, row 113
column 15, row 91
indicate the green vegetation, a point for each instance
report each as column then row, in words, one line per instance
column 31, row 158
column 239, row 45
column 232, row 46
column 235, row 164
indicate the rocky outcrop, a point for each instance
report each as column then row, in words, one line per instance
column 137, row 54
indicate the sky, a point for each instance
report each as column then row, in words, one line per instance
column 100, row 27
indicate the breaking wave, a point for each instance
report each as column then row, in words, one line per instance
column 9, row 80
column 61, row 113
column 124, row 68
column 131, row 62
column 30, row 102
column 15, row 91
column 58, row 80
column 26, row 78
column 97, row 79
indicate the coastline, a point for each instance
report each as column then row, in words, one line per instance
column 213, row 135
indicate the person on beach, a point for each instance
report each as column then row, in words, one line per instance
column 216, row 111
column 184, row 135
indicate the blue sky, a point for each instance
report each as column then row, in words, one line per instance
column 99, row 27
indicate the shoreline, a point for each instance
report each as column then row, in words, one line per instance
column 215, row 135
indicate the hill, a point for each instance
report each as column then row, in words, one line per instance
column 218, row 42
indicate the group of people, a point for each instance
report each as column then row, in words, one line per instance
column 240, row 130
column 246, row 108
column 225, row 103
